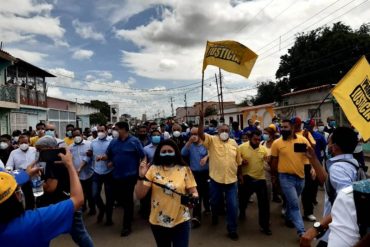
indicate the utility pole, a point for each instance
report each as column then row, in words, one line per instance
column 218, row 96
column 172, row 107
column 186, row 109
column 222, row 119
column 76, row 114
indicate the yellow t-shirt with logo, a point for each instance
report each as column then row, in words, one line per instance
column 68, row 141
column 33, row 140
column 224, row 159
column 289, row 161
column 256, row 160
column 166, row 208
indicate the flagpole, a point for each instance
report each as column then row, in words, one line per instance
column 201, row 104
column 322, row 102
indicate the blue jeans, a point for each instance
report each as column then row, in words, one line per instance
column 231, row 196
column 79, row 233
column 177, row 236
column 98, row 181
column 292, row 187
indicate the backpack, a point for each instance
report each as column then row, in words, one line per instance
column 361, row 175
column 361, row 196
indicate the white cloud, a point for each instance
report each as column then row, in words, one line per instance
column 172, row 46
column 28, row 56
column 82, row 54
column 24, row 19
column 86, row 31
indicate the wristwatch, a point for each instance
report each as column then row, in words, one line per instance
column 319, row 228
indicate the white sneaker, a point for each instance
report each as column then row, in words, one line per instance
column 311, row 217
column 283, row 212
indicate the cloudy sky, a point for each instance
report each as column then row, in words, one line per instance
column 139, row 54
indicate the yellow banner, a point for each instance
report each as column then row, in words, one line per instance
column 353, row 95
column 230, row 56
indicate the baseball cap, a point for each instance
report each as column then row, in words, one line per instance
column 296, row 121
column 273, row 126
column 9, row 182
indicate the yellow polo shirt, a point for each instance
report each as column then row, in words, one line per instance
column 33, row 140
column 224, row 159
column 289, row 161
column 68, row 141
column 256, row 160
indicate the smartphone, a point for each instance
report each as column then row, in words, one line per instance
column 51, row 155
column 300, row 147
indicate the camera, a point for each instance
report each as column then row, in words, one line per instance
column 189, row 201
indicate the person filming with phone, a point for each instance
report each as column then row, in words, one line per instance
column 288, row 160
column 57, row 186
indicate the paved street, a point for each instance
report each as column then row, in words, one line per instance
column 206, row 235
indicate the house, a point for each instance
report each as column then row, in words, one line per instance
column 22, row 94
column 305, row 104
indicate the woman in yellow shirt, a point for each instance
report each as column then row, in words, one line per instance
column 171, row 180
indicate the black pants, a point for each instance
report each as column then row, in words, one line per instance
column 28, row 196
column 259, row 187
column 309, row 191
column 201, row 178
column 88, row 195
column 177, row 236
column 124, row 195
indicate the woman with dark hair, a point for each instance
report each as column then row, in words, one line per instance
column 172, row 184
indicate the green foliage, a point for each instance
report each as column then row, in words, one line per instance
column 102, row 106
column 98, row 118
column 210, row 111
column 323, row 56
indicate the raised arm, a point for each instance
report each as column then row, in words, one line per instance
column 77, row 196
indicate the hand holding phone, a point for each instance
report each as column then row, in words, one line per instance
column 300, row 147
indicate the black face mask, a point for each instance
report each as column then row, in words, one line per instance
column 167, row 160
column 253, row 145
column 285, row 134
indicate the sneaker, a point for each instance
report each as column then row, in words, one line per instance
column 195, row 223
column 233, row 236
column 310, row 217
column 283, row 212
column 125, row 232
column 266, row 231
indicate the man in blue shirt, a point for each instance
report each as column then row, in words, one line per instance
column 35, row 228
column 236, row 133
column 251, row 127
column 82, row 163
column 125, row 153
column 102, row 175
column 149, row 149
column 198, row 155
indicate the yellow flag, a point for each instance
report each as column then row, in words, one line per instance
column 353, row 95
column 230, row 56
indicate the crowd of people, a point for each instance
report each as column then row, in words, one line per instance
column 181, row 173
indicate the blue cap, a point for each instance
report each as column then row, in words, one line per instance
column 21, row 177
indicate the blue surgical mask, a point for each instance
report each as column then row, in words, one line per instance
column 156, row 139
column 266, row 137
column 50, row 133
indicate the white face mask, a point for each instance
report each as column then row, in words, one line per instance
column 101, row 135
column 224, row 136
column 176, row 133
column 115, row 133
column 77, row 139
column 3, row 145
column 24, row 146
column 321, row 128
column 50, row 133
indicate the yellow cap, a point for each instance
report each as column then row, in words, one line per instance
column 7, row 186
column 272, row 126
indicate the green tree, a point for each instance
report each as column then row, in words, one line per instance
column 98, row 118
column 102, row 106
column 210, row 111
column 323, row 56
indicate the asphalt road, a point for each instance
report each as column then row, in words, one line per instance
column 206, row 235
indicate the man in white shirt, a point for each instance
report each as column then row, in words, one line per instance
column 20, row 159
